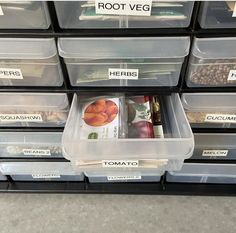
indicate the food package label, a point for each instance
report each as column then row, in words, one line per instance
column 100, row 119
column 9, row 73
column 220, row 118
column 232, row 75
column 215, row 153
column 36, row 152
column 124, row 7
column 20, row 118
column 128, row 74
column 125, row 177
column 46, row 176
column 120, row 163
column 1, row 11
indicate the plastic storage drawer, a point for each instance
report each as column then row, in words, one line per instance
column 212, row 62
column 40, row 171
column 217, row 14
column 114, row 177
column 131, row 153
column 31, row 144
column 82, row 14
column 204, row 173
column 153, row 61
column 215, row 146
column 210, row 110
column 29, row 62
column 24, row 15
column 33, row 109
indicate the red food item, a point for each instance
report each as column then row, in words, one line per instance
column 140, row 99
column 141, row 129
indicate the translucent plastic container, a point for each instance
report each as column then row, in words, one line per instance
column 217, row 14
column 131, row 153
column 81, row 14
column 210, row 110
column 212, row 62
column 33, row 109
column 115, row 177
column 24, row 15
column 216, row 146
column 40, row 171
column 29, row 62
column 31, row 144
column 204, row 173
column 139, row 61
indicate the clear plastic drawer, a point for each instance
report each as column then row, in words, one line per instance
column 210, row 110
column 167, row 153
column 33, row 109
column 164, row 14
column 24, row 15
column 29, row 62
column 139, row 61
column 204, row 173
column 217, row 14
column 31, row 144
column 212, row 62
column 40, row 171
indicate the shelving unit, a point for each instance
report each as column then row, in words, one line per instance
column 162, row 188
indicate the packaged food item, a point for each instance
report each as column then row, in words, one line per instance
column 156, row 117
column 140, row 123
column 100, row 118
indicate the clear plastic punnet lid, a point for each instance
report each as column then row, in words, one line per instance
column 214, row 48
column 124, row 48
column 34, row 101
column 25, row 48
column 209, row 101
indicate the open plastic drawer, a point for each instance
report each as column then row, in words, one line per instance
column 212, row 62
column 130, row 154
column 114, row 177
column 81, row 14
column 204, row 173
column 24, row 15
column 217, row 146
column 33, row 109
column 210, row 110
column 29, row 62
column 40, row 171
column 30, row 144
column 139, row 61
column 217, row 14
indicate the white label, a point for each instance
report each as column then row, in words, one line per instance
column 129, row 74
column 1, row 11
column 232, row 75
column 120, row 163
column 234, row 12
column 114, row 178
column 220, row 118
column 36, row 152
column 46, row 176
column 222, row 153
column 124, row 7
column 8, row 73
column 20, row 118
